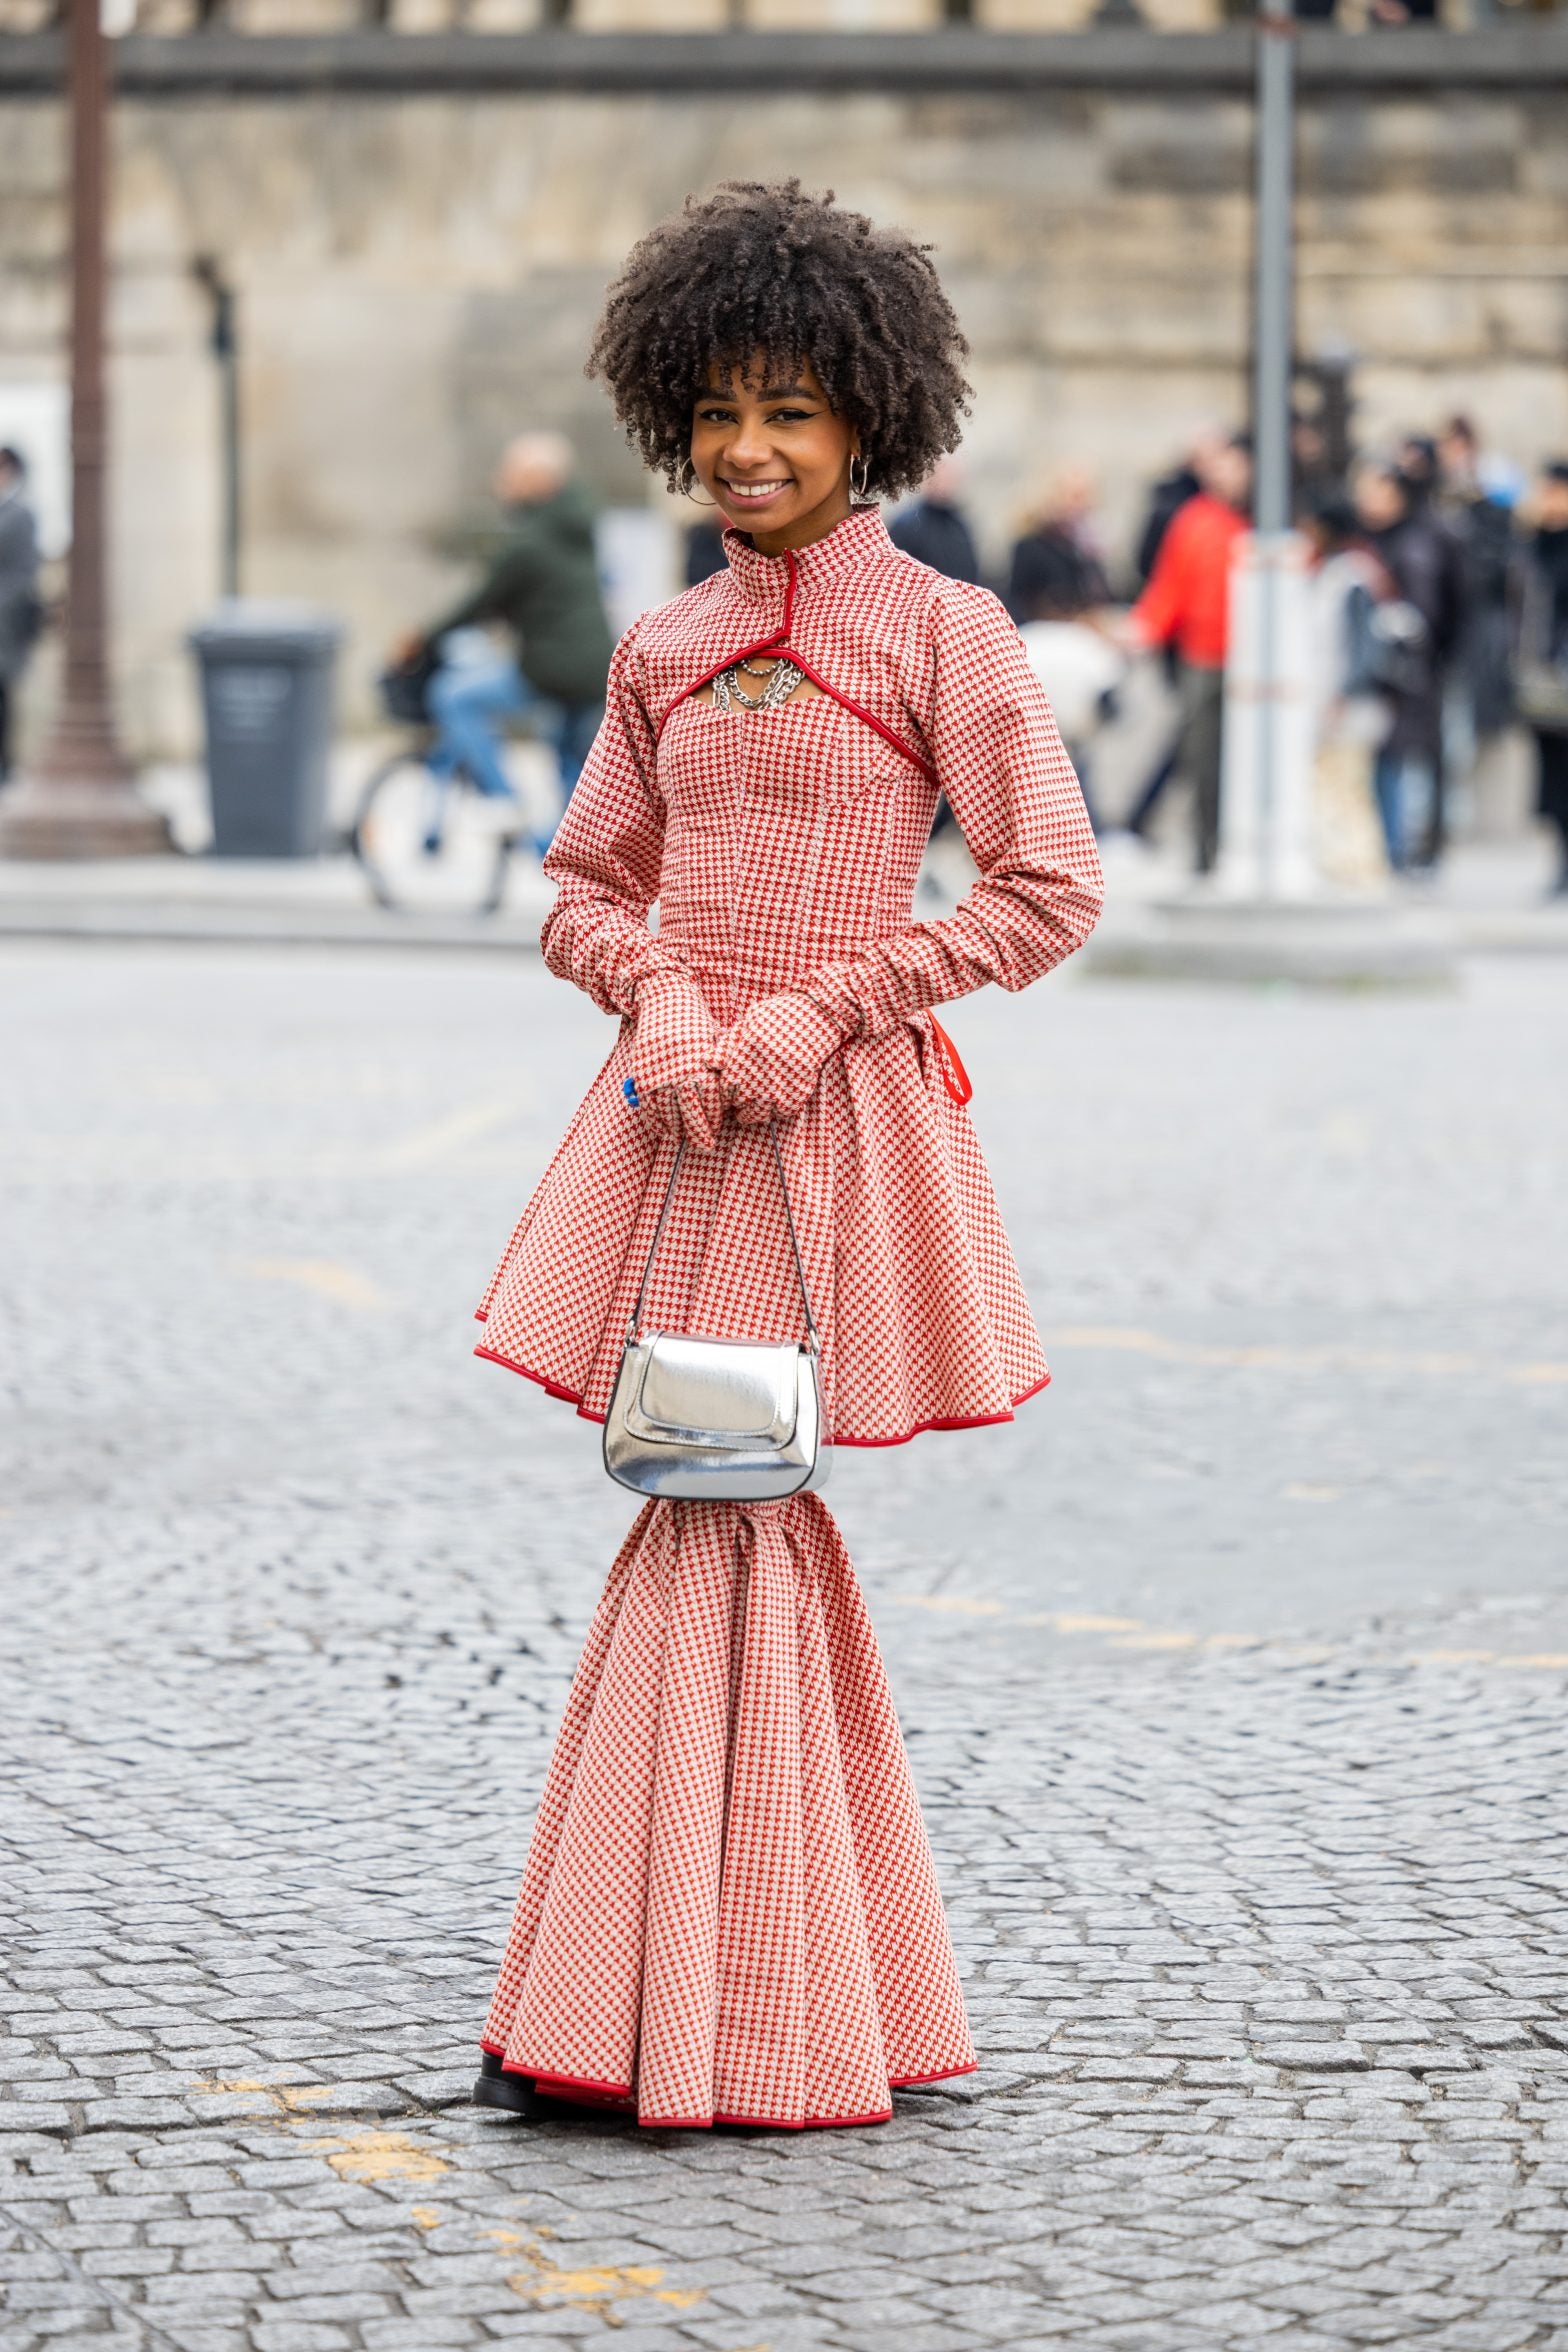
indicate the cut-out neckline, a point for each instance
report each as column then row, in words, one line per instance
column 804, row 690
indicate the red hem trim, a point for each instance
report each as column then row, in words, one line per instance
column 762, row 2122
column 807, row 2122
column 569, row 1396
column 907, row 2082
column 568, row 2082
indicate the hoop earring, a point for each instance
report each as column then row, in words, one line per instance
column 860, row 492
column 683, row 485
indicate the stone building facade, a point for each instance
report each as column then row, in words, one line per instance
column 417, row 268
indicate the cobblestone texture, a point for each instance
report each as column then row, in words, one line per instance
column 1233, row 1676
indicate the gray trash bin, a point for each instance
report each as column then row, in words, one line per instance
column 266, row 693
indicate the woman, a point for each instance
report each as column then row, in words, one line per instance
column 1422, row 560
column 1351, row 717
column 1055, row 565
column 1543, row 663
column 729, row 1911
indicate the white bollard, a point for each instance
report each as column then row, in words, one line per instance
column 1267, row 748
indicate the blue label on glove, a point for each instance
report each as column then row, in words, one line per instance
column 629, row 1089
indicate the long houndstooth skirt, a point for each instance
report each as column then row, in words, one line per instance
column 729, row 1911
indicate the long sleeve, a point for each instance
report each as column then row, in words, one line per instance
column 492, row 599
column 1000, row 760
column 608, row 853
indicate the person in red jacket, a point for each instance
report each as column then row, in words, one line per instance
column 1186, row 606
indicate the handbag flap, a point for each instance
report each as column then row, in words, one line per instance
column 719, row 1391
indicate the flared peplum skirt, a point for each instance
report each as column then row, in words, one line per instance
column 924, row 1320
column 729, row 1911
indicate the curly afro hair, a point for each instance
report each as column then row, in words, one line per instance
column 760, row 266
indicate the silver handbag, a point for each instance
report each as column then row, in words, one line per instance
column 717, row 1420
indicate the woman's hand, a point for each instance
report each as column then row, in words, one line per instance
column 674, row 1051
column 771, row 1061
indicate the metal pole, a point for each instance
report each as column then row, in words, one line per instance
column 1273, row 315
column 224, row 345
column 79, row 801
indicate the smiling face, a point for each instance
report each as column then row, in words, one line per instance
column 771, row 452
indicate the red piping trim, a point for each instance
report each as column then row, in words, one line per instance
column 572, row 2082
column 763, row 645
column 955, row 1078
column 859, row 711
column 779, row 643
column 965, row 1421
column 569, row 1396
column 806, row 2122
column 907, row 2082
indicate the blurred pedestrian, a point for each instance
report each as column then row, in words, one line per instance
column 1418, row 632
column 703, row 552
column 543, row 589
column 1351, row 715
column 1056, row 563
column 1080, row 666
column 1186, row 605
column 1543, row 656
column 933, row 527
column 934, row 530
column 21, row 612
column 1169, row 495
column 1476, row 496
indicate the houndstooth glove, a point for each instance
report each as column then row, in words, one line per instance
column 674, row 1049
column 770, row 1062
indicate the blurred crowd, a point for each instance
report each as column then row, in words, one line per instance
column 1437, row 620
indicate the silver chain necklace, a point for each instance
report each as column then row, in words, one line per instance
column 779, row 683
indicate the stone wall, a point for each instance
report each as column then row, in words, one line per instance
column 418, row 276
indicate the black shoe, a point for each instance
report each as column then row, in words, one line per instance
column 513, row 2094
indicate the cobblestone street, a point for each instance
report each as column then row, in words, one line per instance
column 1233, row 1675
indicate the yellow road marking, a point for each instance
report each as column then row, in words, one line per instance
column 444, row 1137
column 1069, row 1624
column 951, row 1604
column 284, row 2099
column 339, row 1283
column 592, row 2289
column 1130, row 1633
column 380, row 2156
column 1128, row 1340
column 371, row 2155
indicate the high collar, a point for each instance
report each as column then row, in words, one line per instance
column 763, row 579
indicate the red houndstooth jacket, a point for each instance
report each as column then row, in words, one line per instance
column 783, row 850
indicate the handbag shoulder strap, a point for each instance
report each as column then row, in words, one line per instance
column 634, row 1324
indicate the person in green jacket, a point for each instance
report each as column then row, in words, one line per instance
column 543, row 587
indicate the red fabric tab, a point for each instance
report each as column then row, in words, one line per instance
column 954, row 1076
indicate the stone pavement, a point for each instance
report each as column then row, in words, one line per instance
column 1233, row 1675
